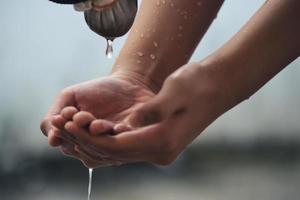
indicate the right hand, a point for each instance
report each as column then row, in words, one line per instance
column 111, row 99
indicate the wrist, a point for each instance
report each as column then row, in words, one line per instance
column 149, row 69
column 135, row 77
column 228, row 79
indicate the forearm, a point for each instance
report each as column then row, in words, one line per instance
column 163, row 38
column 263, row 47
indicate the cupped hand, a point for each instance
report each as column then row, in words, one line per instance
column 165, row 125
column 111, row 99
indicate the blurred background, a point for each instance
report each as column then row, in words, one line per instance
column 251, row 152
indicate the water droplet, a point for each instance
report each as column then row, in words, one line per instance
column 179, row 35
column 109, row 49
column 164, row 1
column 199, row 3
column 172, row 38
column 142, row 35
column 155, row 44
column 90, row 183
column 172, row 4
column 140, row 54
column 152, row 56
column 180, row 27
column 158, row 2
column 138, row 61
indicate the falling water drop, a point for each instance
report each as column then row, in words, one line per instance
column 109, row 49
column 90, row 183
column 199, row 3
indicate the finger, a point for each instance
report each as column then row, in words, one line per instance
column 68, row 150
column 85, row 140
column 119, row 128
column 134, row 143
column 141, row 140
column 100, row 127
column 80, row 134
column 83, row 119
column 88, row 161
column 54, row 138
column 69, row 112
column 63, row 100
column 59, row 122
column 101, row 162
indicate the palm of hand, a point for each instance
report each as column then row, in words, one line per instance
column 109, row 98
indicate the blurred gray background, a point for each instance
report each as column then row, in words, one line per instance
column 251, row 152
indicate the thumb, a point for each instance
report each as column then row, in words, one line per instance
column 161, row 107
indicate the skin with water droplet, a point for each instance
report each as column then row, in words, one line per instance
column 140, row 54
column 152, row 56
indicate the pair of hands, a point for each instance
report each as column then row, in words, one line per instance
column 117, row 119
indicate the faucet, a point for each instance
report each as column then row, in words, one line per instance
column 108, row 18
